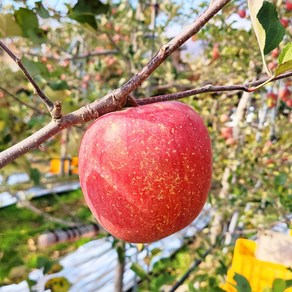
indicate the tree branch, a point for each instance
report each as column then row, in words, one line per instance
column 49, row 104
column 208, row 89
column 79, row 56
column 114, row 100
column 21, row 102
column 87, row 113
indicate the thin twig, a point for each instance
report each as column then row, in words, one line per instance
column 22, row 102
column 132, row 101
column 30, row 206
column 207, row 89
column 79, row 56
column 49, row 104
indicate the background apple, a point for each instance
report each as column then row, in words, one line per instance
column 242, row 13
column 288, row 5
column 275, row 53
column 215, row 52
column 285, row 22
column 146, row 171
column 284, row 94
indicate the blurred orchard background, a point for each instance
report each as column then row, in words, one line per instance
column 77, row 51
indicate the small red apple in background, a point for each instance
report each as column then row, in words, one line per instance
column 285, row 22
column 275, row 53
column 273, row 96
column 242, row 13
column 145, row 171
column 284, row 94
column 269, row 161
column 289, row 102
column 226, row 132
column 215, row 52
column 288, row 5
column 272, row 65
column 272, row 99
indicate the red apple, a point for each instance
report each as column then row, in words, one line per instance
column 272, row 96
column 226, row 132
column 275, row 53
column 272, row 65
column 215, row 52
column 271, row 103
column 289, row 102
column 284, row 94
column 288, row 5
column 285, row 22
column 145, row 171
column 242, row 13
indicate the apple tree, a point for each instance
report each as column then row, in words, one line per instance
column 92, row 58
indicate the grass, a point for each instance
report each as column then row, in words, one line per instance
column 20, row 228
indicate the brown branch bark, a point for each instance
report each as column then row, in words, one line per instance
column 105, row 105
column 208, row 89
column 114, row 100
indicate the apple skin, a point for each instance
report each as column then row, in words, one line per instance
column 215, row 52
column 285, row 22
column 284, row 94
column 288, row 5
column 242, row 13
column 146, row 171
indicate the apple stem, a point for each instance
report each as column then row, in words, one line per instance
column 132, row 100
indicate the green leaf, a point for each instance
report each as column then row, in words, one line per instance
column 41, row 10
column 37, row 35
column 242, row 283
column 85, row 11
column 155, row 251
column 35, row 176
column 90, row 7
column 265, row 22
column 285, row 60
column 267, row 289
column 29, row 24
column 279, row 285
column 274, row 30
column 286, row 54
column 34, row 68
column 288, row 283
column 44, row 262
column 283, row 68
column 280, row 179
column 254, row 8
column 139, row 271
column 8, row 26
column 84, row 19
column 285, row 64
column 27, row 20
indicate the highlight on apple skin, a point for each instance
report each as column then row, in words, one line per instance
column 146, row 171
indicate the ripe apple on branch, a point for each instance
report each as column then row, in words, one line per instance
column 146, row 171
